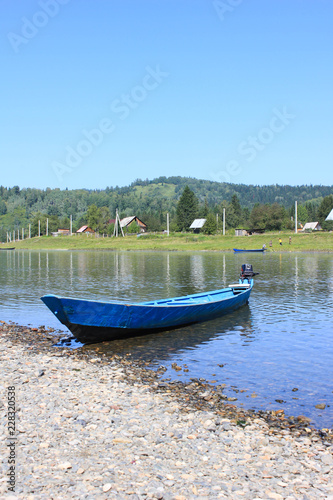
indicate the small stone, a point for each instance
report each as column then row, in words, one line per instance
column 208, row 423
column 273, row 495
column 121, row 440
column 327, row 459
column 302, row 418
column 321, row 406
column 107, row 487
column 65, row 465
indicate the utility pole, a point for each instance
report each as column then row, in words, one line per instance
column 295, row 217
column 168, row 224
column 223, row 221
column 71, row 224
column 115, row 231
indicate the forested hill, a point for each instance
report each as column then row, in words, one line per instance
column 157, row 195
column 150, row 200
column 249, row 195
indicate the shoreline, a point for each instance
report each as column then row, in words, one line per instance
column 307, row 242
column 43, row 339
column 180, row 250
column 103, row 427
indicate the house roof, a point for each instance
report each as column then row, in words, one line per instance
column 127, row 221
column 330, row 215
column 310, row 225
column 83, row 229
column 197, row 223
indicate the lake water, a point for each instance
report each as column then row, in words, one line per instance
column 278, row 349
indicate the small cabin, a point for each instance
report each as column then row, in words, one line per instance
column 86, row 230
column 312, row 226
column 61, row 232
column 127, row 221
column 241, row 232
column 197, row 224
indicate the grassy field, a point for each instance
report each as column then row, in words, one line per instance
column 311, row 242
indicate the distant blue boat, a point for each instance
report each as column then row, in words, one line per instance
column 241, row 250
column 95, row 321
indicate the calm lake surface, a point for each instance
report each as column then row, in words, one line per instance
column 278, row 349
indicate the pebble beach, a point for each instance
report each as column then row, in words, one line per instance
column 89, row 427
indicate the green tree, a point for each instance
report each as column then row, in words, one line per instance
column 275, row 217
column 103, row 219
column 210, row 224
column 312, row 209
column 231, row 219
column 3, row 207
column 302, row 214
column 237, row 209
column 259, row 216
column 204, row 211
column 93, row 217
column 39, row 218
column 323, row 210
column 187, row 209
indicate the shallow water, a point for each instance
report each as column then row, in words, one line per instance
column 278, row 349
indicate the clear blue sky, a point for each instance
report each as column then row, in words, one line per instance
column 97, row 93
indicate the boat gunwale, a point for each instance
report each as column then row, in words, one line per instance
column 167, row 302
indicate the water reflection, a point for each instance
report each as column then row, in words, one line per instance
column 158, row 347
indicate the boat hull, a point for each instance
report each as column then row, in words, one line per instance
column 236, row 250
column 94, row 321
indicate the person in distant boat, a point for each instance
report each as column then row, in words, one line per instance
column 271, row 243
column 289, row 240
column 264, row 247
column 280, row 241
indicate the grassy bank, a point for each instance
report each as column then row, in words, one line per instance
column 310, row 242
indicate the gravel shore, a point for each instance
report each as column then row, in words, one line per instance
column 97, row 428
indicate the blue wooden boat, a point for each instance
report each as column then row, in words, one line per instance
column 94, row 321
column 241, row 250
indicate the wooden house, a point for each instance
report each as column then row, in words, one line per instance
column 311, row 226
column 197, row 224
column 127, row 221
column 86, row 230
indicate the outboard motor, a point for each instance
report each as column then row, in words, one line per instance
column 247, row 272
